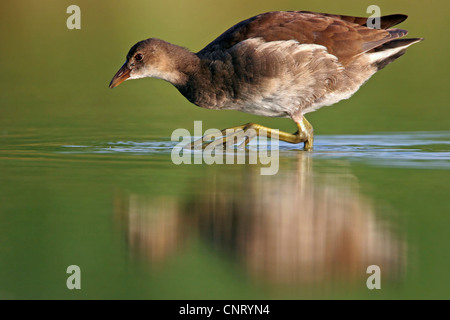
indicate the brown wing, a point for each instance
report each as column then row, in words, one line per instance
column 343, row 36
column 385, row 21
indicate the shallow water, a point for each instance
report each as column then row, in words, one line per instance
column 412, row 149
column 140, row 226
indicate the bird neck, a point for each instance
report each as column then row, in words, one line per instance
column 179, row 65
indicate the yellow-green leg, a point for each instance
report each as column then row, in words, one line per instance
column 248, row 131
column 306, row 127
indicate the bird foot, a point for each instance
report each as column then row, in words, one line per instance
column 240, row 136
column 237, row 137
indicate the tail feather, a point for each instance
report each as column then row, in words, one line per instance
column 388, row 52
column 397, row 33
column 398, row 43
column 383, row 51
column 391, row 20
column 380, row 64
column 385, row 21
column 392, row 34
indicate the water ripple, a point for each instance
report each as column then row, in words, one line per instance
column 415, row 149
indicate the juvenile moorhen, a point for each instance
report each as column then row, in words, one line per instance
column 276, row 64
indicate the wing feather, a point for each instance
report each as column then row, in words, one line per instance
column 343, row 36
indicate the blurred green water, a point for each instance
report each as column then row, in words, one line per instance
column 59, row 208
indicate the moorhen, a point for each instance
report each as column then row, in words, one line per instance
column 276, row 64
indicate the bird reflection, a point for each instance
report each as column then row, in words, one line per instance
column 299, row 226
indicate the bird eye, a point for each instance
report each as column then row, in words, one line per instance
column 138, row 57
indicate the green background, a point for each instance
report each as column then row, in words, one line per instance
column 58, row 207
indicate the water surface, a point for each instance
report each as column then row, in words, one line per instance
column 140, row 226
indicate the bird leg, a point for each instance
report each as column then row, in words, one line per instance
column 233, row 135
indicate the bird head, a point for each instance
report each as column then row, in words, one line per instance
column 147, row 58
